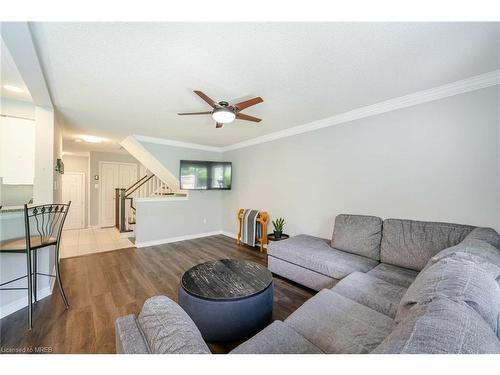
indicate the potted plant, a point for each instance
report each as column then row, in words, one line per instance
column 278, row 225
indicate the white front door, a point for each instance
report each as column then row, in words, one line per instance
column 73, row 189
column 113, row 176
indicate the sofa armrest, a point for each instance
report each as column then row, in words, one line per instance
column 168, row 329
column 129, row 338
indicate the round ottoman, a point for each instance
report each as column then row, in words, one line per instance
column 228, row 299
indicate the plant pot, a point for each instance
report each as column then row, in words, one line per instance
column 277, row 234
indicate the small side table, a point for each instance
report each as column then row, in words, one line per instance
column 270, row 237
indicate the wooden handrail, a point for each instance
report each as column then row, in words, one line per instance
column 138, row 186
column 135, row 183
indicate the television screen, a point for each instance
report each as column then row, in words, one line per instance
column 205, row 175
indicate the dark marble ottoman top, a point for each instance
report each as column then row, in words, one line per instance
column 226, row 279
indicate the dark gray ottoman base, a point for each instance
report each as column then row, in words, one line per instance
column 229, row 320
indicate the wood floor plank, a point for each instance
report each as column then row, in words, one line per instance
column 103, row 286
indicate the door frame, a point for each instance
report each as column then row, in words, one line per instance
column 100, row 182
column 84, row 200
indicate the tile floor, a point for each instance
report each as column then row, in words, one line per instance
column 87, row 241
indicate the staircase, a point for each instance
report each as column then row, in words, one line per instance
column 159, row 184
column 149, row 186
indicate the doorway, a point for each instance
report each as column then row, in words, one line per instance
column 73, row 189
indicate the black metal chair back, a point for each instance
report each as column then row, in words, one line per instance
column 44, row 224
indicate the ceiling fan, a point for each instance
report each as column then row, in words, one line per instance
column 224, row 113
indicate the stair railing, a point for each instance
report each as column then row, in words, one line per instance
column 146, row 186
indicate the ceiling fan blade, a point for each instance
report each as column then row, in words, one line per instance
column 218, row 125
column 194, row 113
column 210, row 102
column 248, row 103
column 242, row 116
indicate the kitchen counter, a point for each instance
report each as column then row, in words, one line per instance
column 11, row 209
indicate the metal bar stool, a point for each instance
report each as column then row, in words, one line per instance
column 43, row 227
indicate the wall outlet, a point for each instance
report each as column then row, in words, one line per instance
column 204, row 221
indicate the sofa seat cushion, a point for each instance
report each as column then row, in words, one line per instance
column 394, row 274
column 442, row 326
column 410, row 244
column 358, row 234
column 316, row 254
column 168, row 329
column 488, row 235
column 374, row 293
column 461, row 280
column 336, row 324
column 277, row 338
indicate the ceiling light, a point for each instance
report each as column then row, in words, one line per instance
column 91, row 139
column 13, row 89
column 78, row 140
column 223, row 115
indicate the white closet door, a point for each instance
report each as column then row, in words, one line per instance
column 113, row 176
column 128, row 175
column 110, row 179
column 73, row 189
column 17, row 151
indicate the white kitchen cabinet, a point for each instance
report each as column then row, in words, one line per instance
column 17, row 151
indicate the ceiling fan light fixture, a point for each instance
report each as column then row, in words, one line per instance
column 223, row 115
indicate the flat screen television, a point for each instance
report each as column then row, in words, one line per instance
column 205, row 175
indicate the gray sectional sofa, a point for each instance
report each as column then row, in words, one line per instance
column 392, row 286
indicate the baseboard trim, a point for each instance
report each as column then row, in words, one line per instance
column 229, row 234
column 161, row 241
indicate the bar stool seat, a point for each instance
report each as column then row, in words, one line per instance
column 19, row 244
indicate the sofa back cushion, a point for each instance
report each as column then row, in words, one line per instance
column 358, row 234
column 488, row 235
column 442, row 326
column 410, row 244
column 459, row 279
column 478, row 251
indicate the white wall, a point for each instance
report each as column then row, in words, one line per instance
column 201, row 213
column 44, row 156
column 436, row 161
column 172, row 220
column 161, row 221
column 57, row 154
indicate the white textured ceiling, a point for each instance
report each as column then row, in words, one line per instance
column 117, row 79
column 9, row 75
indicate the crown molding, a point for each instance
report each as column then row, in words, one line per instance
column 171, row 142
column 455, row 88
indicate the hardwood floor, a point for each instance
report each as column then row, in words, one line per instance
column 101, row 287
